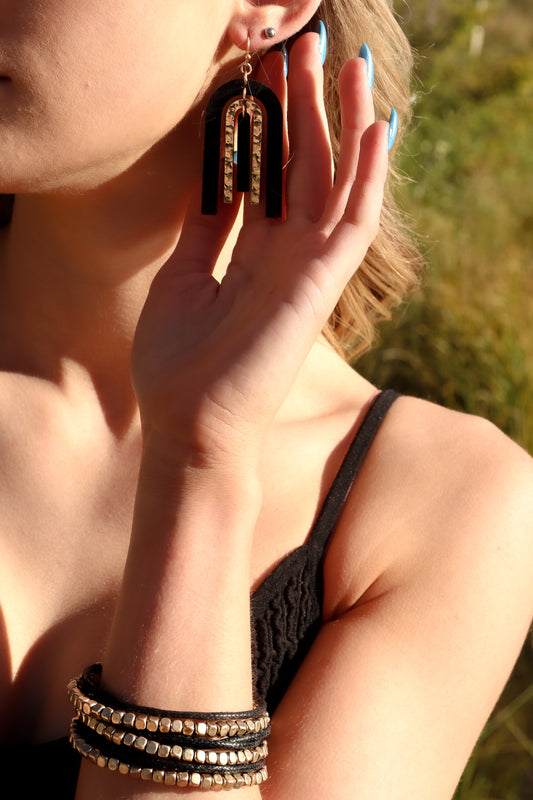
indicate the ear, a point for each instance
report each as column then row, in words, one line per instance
column 254, row 17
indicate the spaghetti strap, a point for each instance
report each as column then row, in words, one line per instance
column 287, row 607
column 334, row 503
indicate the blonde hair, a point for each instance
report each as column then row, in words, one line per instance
column 392, row 265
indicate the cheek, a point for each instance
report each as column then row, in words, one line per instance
column 129, row 86
column 105, row 92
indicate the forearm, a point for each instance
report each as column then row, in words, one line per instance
column 181, row 635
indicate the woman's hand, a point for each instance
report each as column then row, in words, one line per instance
column 213, row 362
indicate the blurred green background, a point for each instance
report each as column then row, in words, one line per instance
column 465, row 340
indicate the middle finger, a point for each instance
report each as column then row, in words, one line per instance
column 310, row 171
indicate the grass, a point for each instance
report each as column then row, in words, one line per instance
column 466, row 340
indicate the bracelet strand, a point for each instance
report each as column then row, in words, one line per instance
column 168, row 777
column 195, row 749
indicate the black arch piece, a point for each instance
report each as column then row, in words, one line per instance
column 274, row 144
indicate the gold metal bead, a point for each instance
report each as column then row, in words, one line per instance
column 112, row 764
column 212, row 730
column 224, row 729
column 195, row 779
column 234, row 729
column 129, row 739
column 182, row 780
column 223, row 759
column 177, row 726
column 159, row 776
column 207, row 782
column 171, row 778
column 177, row 751
column 117, row 717
column 129, row 719
column 239, row 780
column 106, row 714
column 118, row 737
column 123, row 768
column 201, row 728
column 164, row 751
column 147, row 774
column 152, row 748
column 188, row 754
column 229, row 780
column 109, row 731
column 152, row 724
column 211, row 757
column 101, row 760
column 140, row 743
column 135, row 772
column 188, row 727
column 83, row 747
column 200, row 756
column 140, row 722
column 165, row 724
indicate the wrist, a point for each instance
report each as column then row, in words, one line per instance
column 184, row 473
column 179, row 495
column 213, row 458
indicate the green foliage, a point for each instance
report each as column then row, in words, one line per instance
column 466, row 340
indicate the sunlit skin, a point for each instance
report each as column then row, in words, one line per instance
column 167, row 436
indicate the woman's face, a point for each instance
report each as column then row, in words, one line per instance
column 87, row 86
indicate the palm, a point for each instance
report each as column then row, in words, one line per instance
column 215, row 361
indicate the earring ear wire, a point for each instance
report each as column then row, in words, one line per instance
column 250, row 115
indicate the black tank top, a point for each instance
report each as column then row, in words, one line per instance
column 286, row 617
column 287, row 606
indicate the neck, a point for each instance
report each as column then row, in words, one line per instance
column 77, row 268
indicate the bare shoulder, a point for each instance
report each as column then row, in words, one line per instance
column 438, row 487
column 458, row 450
column 458, row 456
column 427, row 602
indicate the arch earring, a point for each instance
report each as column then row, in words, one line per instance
column 250, row 116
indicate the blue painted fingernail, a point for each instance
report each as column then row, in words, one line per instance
column 282, row 48
column 285, row 55
column 366, row 53
column 322, row 41
column 393, row 128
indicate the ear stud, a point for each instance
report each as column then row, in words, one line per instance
column 269, row 33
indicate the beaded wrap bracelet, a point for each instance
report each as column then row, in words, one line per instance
column 182, row 749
